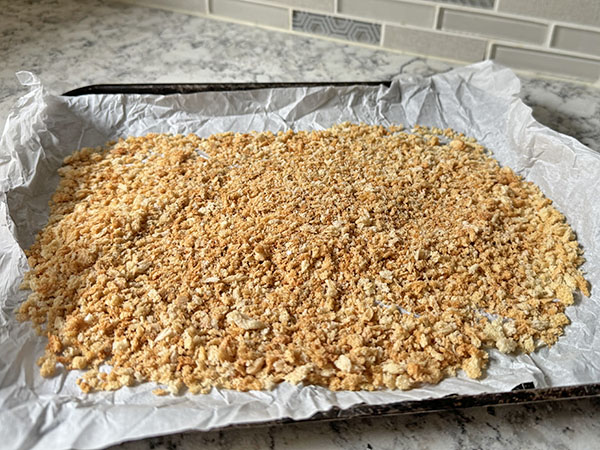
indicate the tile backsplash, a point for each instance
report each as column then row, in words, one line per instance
column 552, row 37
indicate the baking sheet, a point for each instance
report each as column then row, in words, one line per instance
column 480, row 100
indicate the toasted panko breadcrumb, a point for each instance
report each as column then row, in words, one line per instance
column 357, row 257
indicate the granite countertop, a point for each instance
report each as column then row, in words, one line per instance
column 71, row 43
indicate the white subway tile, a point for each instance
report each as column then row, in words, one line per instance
column 194, row 6
column 251, row 12
column 586, row 12
column 389, row 11
column 316, row 5
column 547, row 62
column 487, row 4
column 432, row 43
column 583, row 41
column 489, row 25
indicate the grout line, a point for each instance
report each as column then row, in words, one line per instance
column 437, row 17
column 551, row 28
column 489, row 49
column 291, row 19
column 382, row 37
column 496, row 5
column 336, row 6
column 207, row 2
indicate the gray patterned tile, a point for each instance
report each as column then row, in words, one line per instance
column 337, row 27
column 488, row 4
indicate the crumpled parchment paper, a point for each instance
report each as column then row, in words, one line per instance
column 480, row 100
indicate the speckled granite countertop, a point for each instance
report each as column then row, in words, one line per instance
column 72, row 43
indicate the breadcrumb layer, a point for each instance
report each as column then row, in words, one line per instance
column 357, row 257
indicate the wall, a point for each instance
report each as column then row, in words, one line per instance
column 553, row 37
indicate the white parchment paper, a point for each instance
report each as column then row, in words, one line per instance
column 480, row 100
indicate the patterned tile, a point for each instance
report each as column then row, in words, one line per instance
column 351, row 30
column 488, row 4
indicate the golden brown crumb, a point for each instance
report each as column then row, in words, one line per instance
column 160, row 392
column 356, row 257
column 48, row 366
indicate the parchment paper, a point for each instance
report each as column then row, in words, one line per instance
column 480, row 100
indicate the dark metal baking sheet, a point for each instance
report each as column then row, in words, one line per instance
column 524, row 393
column 190, row 88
